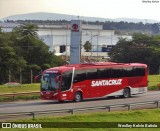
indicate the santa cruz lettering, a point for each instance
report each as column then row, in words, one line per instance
column 106, row 82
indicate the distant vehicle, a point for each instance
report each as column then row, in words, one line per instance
column 37, row 78
column 94, row 80
column 12, row 84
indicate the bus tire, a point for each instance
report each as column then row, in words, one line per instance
column 78, row 97
column 126, row 93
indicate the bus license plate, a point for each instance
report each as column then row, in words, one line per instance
column 47, row 92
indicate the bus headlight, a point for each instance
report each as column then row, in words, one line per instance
column 64, row 94
column 55, row 94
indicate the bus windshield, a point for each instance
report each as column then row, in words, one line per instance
column 48, row 82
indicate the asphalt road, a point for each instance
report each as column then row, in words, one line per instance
column 43, row 105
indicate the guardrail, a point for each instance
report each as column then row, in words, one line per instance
column 13, row 95
column 74, row 110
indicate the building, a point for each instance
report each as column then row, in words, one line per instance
column 57, row 37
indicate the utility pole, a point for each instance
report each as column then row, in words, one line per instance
column 31, row 77
column 98, row 42
column 20, row 77
column 9, row 76
column 66, row 42
column 97, row 48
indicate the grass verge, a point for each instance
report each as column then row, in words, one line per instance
column 153, row 81
column 17, row 89
column 152, row 115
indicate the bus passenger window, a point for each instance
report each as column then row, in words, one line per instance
column 139, row 71
column 66, row 81
column 129, row 72
column 92, row 74
column 80, row 75
column 117, row 72
column 104, row 73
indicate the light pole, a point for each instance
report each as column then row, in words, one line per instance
column 9, row 76
column 91, row 40
column 66, row 42
column 31, row 76
column 111, row 39
column 90, row 37
column 20, row 77
column 97, row 48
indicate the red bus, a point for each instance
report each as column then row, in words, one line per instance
column 95, row 80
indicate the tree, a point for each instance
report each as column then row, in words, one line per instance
column 34, row 51
column 27, row 30
column 26, row 33
column 155, row 28
column 142, row 48
column 22, row 51
column 0, row 30
column 9, row 60
column 87, row 46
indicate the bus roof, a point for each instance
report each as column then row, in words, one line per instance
column 64, row 68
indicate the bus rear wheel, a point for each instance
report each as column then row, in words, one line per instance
column 78, row 97
column 126, row 93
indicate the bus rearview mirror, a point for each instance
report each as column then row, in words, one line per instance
column 57, row 79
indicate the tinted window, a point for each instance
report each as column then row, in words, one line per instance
column 129, row 72
column 117, row 72
column 66, row 80
column 80, row 75
column 139, row 71
column 134, row 71
column 104, row 73
column 92, row 74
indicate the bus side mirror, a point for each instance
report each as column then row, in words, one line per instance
column 57, row 79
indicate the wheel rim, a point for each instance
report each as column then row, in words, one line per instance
column 78, row 97
column 126, row 93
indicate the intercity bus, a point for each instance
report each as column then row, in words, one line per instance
column 94, row 80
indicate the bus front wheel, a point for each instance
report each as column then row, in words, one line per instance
column 126, row 93
column 78, row 97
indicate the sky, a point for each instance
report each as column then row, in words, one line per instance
column 141, row 9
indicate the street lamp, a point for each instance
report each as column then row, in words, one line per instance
column 97, row 48
column 67, row 27
column 91, row 39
